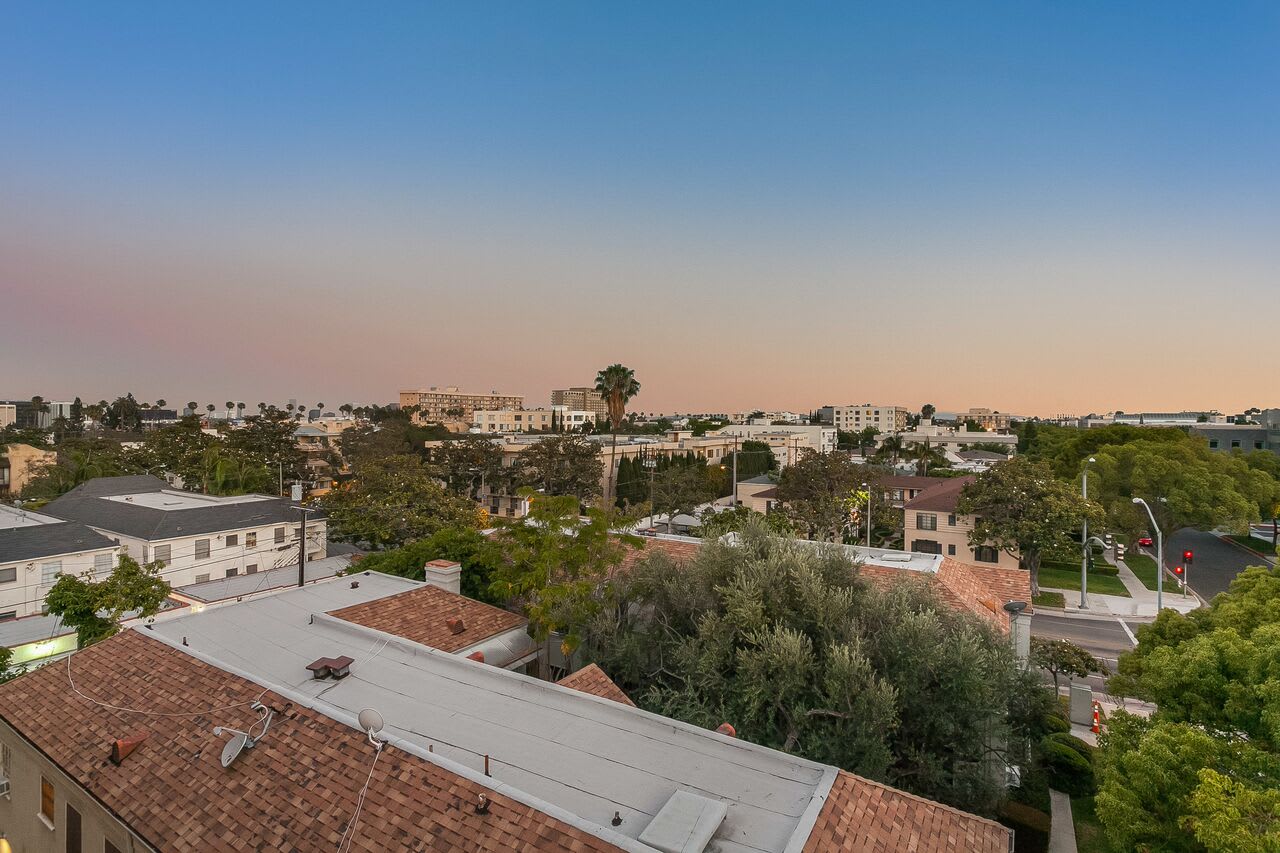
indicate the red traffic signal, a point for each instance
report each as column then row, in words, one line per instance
column 1186, row 556
column 1177, row 570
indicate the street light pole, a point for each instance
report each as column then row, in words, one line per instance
column 867, row 486
column 1159, row 555
column 1084, row 539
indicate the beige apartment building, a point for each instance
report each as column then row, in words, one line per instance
column 932, row 526
column 439, row 404
column 887, row 419
column 581, row 399
column 987, row 419
column 19, row 463
column 531, row 420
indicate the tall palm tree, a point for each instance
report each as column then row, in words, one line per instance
column 230, row 405
column 192, row 406
column 240, row 410
column 161, row 403
column 210, row 409
column 262, row 408
column 924, row 455
column 617, row 384
column 890, row 448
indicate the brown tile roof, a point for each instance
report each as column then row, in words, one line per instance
column 909, row 481
column 867, row 817
column 678, row 551
column 295, row 790
column 591, row 679
column 975, row 589
column 422, row 615
column 941, row 498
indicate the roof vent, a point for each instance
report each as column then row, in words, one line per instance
column 727, row 729
column 476, row 656
column 685, row 824
column 456, row 626
column 339, row 667
column 123, row 748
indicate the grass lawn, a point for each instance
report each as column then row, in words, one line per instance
column 1144, row 567
column 1251, row 542
column 1089, row 835
column 1050, row 599
column 1067, row 576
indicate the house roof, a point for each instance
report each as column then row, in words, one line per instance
column 30, row 536
column 592, row 679
column 761, row 480
column 983, row 591
column 160, row 512
column 423, row 614
column 982, row 455
column 563, row 763
column 943, row 497
column 865, row 816
column 910, row 481
column 240, row 585
column 677, row 548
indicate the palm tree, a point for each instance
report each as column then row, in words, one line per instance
column 890, row 448
column 161, row 403
column 617, row 384
column 924, row 456
column 262, row 408
column 211, row 407
column 346, row 409
column 240, row 410
column 230, row 405
column 192, row 406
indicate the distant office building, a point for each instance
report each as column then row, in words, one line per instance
column 21, row 414
column 440, row 404
column 1167, row 419
column 987, row 419
column 1263, row 435
column 581, row 399
column 887, row 419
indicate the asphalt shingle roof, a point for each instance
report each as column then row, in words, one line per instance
column 85, row 503
column 48, row 540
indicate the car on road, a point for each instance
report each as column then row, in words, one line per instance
column 1144, row 541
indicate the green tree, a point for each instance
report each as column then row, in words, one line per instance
column 682, row 488
column 783, row 640
column 1020, row 508
column 813, row 491
column 927, row 410
column 716, row 524
column 392, row 501
column 464, row 463
column 564, row 464
column 1062, row 657
column 1230, row 817
column 95, row 608
column 464, row 545
column 8, row 671
column 553, row 565
column 617, row 384
column 269, row 441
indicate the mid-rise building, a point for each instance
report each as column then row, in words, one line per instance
column 555, row 419
column 792, row 437
column 581, row 399
column 35, row 548
column 957, row 439
column 18, row 464
column 440, row 404
column 197, row 537
column 987, row 419
column 1262, row 435
column 887, row 419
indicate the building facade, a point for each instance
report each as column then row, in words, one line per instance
column 18, row 464
column 987, row 419
column 1263, row 435
column 557, row 418
column 931, row 525
column 35, row 549
column 440, row 404
column 581, row 399
column 887, row 419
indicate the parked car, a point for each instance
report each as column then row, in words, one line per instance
column 1145, row 540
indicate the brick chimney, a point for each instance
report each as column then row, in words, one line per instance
column 445, row 574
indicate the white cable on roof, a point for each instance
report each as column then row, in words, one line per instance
column 349, row 835
column 202, row 712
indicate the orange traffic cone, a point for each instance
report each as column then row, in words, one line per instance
column 1097, row 718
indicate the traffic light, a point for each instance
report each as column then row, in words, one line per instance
column 1186, row 556
column 1177, row 570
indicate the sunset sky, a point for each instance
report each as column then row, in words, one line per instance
column 1035, row 207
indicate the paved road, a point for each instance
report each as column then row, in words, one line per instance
column 1104, row 637
column 1216, row 562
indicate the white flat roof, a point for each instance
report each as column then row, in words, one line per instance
column 171, row 500
column 588, row 756
column 11, row 518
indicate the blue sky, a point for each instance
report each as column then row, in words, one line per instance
column 751, row 204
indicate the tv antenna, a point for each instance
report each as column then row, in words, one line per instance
column 241, row 741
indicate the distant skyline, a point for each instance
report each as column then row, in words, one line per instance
column 1038, row 209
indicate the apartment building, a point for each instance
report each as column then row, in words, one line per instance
column 1263, row 435
column 933, row 526
column 887, row 419
column 987, row 419
column 453, row 751
column 581, row 399
column 954, row 440
column 797, row 437
column 18, row 464
column 35, row 549
column 198, row 537
column 557, row 418
column 440, row 404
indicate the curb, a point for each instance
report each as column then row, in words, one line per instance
column 1245, row 548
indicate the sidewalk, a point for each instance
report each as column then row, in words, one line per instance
column 1142, row 601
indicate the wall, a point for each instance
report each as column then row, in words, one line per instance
column 24, row 462
column 953, row 536
column 26, row 593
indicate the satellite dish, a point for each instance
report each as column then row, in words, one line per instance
column 233, row 748
column 370, row 721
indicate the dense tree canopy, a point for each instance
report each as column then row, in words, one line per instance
column 94, row 607
column 815, row 490
column 464, row 545
column 783, row 640
column 568, row 464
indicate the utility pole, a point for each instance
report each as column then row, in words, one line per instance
column 734, row 502
column 302, row 547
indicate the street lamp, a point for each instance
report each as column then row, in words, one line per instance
column 1159, row 555
column 1085, row 548
column 868, row 488
column 1084, row 537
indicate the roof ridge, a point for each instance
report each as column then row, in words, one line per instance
column 934, row 803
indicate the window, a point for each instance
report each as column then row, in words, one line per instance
column 1235, row 444
column 233, row 571
column 251, row 569
column 1213, row 444
column 951, row 520
column 251, row 540
column 986, row 554
column 1257, row 445
column 46, row 801
column 101, row 563
column 163, row 552
column 202, row 549
column 926, row 546
column 926, row 521
column 951, row 550
column 233, row 539
column 73, row 830
column 279, row 534
column 49, row 571
column 202, row 578
column 8, row 575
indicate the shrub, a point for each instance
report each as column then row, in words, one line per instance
column 1067, row 769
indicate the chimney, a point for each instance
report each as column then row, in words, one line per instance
column 1019, row 630
column 445, row 574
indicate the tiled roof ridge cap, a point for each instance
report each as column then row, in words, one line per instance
column 925, row 800
column 341, row 716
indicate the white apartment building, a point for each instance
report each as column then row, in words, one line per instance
column 792, row 437
column 558, row 418
column 955, row 440
column 887, row 419
column 198, row 537
column 581, row 398
column 35, row 549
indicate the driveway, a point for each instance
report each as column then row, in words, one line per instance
column 1216, row 562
